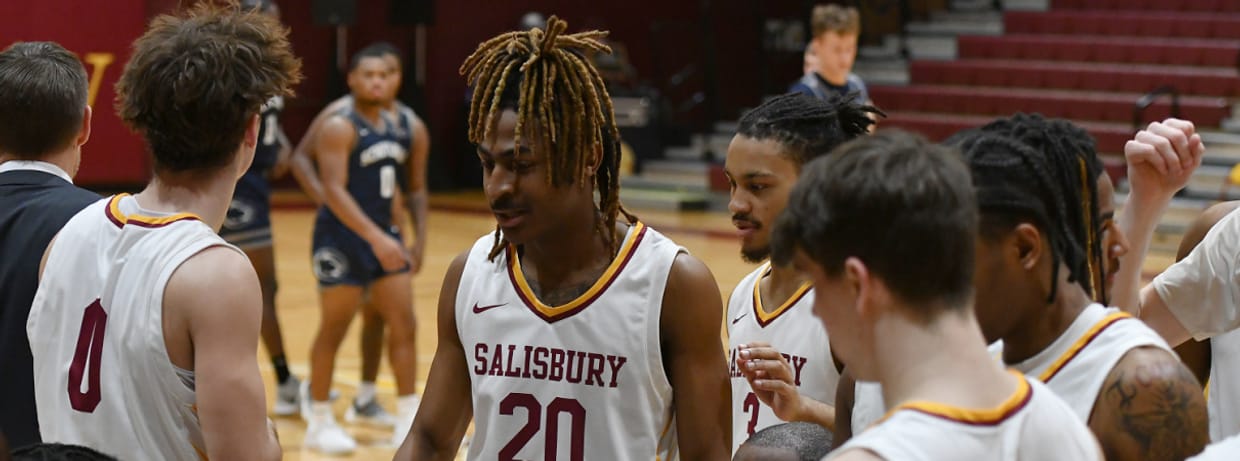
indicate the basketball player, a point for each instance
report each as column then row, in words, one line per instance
column 780, row 355
column 567, row 332
column 898, row 305
column 1216, row 358
column 1033, row 284
column 44, row 121
column 144, row 314
column 1105, row 244
column 357, row 243
column 248, row 226
column 786, row 442
column 365, row 407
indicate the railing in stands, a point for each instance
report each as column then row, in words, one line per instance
column 1148, row 99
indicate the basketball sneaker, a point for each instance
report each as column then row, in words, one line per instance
column 327, row 437
column 369, row 413
column 288, row 397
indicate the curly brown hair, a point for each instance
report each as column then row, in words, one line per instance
column 196, row 79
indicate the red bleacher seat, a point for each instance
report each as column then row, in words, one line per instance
column 1180, row 52
column 1206, row 81
column 1149, row 5
column 1076, row 105
column 1110, row 137
column 1124, row 23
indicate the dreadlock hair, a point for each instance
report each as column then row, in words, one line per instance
column 1015, row 183
column 1073, row 161
column 544, row 76
column 805, row 126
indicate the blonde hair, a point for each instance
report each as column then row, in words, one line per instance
column 835, row 18
column 561, row 92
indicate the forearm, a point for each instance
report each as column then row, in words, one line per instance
column 1138, row 221
column 307, row 177
column 342, row 205
column 813, row 411
column 419, row 208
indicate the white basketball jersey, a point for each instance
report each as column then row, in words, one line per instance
column 1076, row 364
column 1031, row 425
column 102, row 375
column 1223, row 400
column 791, row 328
column 581, row 380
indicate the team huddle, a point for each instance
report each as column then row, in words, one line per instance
column 974, row 299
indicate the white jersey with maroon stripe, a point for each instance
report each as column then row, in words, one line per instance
column 585, row 379
column 1032, row 425
column 791, row 328
column 1076, row 364
column 102, row 374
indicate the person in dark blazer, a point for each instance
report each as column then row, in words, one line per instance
column 44, row 121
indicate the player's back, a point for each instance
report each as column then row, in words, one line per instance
column 791, row 328
column 103, row 377
column 1031, row 425
column 582, row 379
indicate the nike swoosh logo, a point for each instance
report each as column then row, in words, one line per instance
column 739, row 317
column 480, row 309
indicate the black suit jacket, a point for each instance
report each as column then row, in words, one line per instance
column 33, row 207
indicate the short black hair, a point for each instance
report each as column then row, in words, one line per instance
column 809, row 441
column 43, row 93
column 1057, row 191
column 375, row 50
column 58, row 452
column 805, row 126
column 902, row 205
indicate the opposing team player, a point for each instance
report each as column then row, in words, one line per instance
column 145, row 327
column 365, row 407
column 780, row 355
column 898, row 305
column 1033, row 284
column 248, row 226
column 568, row 331
column 357, row 244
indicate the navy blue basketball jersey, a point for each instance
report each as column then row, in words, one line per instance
column 268, row 149
column 375, row 166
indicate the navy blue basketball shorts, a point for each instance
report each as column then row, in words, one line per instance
column 340, row 257
column 248, row 223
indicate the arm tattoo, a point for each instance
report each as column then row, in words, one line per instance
column 1159, row 407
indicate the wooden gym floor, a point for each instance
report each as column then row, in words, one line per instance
column 456, row 221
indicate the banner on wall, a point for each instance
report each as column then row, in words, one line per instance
column 101, row 34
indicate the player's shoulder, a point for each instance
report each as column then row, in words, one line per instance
column 214, row 267
column 1213, row 215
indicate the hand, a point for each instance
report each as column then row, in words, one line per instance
column 391, row 253
column 416, row 253
column 280, row 168
column 1162, row 158
column 771, row 378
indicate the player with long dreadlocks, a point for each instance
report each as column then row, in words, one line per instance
column 1033, row 285
column 567, row 331
column 780, row 354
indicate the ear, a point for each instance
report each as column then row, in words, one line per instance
column 84, row 132
column 595, row 160
column 1029, row 245
column 860, row 283
column 251, row 132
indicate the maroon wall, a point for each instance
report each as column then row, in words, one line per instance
column 115, row 156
